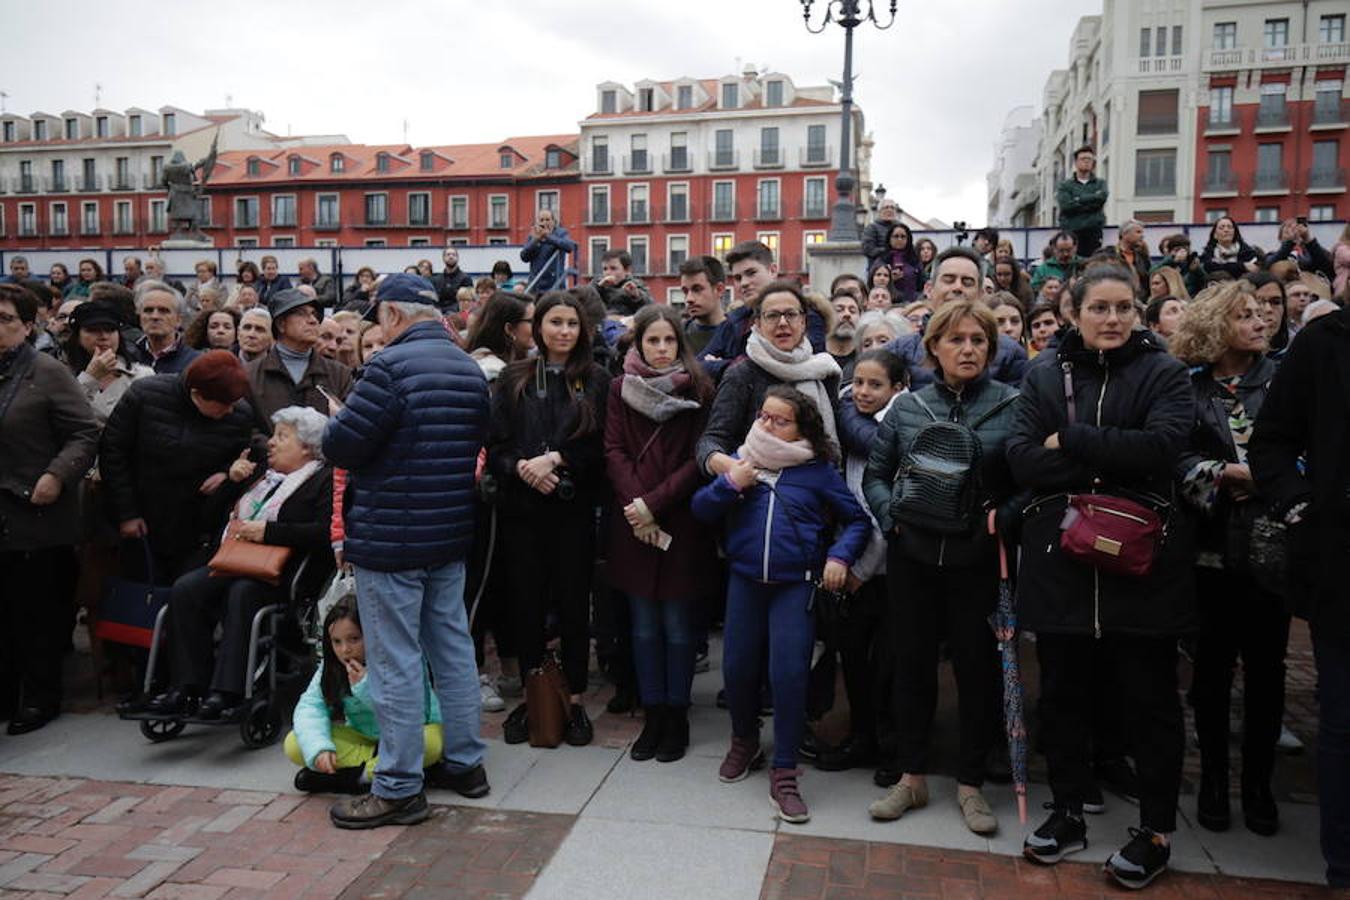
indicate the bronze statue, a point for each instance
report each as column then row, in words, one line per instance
column 184, row 207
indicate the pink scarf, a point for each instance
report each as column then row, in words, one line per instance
column 655, row 393
column 772, row 454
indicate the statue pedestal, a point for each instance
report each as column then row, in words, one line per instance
column 205, row 243
column 826, row 261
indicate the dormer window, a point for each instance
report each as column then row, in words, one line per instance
column 552, row 158
column 134, row 126
column 253, row 167
column 72, row 129
column 609, row 102
column 646, row 100
column 101, row 126
column 382, row 162
column 9, row 132
column 170, row 124
column 507, row 160
column 40, row 130
column 428, row 160
column 730, row 95
column 293, row 165
column 336, row 163
column 773, row 93
column 684, row 96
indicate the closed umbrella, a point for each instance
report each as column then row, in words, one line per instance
column 1004, row 623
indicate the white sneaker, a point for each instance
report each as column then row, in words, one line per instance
column 487, row 689
column 1289, row 741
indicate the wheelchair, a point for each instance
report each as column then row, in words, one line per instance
column 283, row 653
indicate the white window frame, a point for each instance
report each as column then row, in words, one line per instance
column 457, row 242
column 51, row 217
column 318, row 206
column 284, row 242
column 817, row 233
column 674, row 297
column 713, row 211
column 778, row 184
column 118, row 207
column 365, row 208
column 246, row 243
column 2, row 220
column 774, row 241
column 688, row 207
column 375, row 242
column 411, row 195
column 31, row 210
column 1266, row 215
column 609, row 204
column 670, row 251
column 497, row 242
column 295, row 210
column 468, row 211
column 556, row 205
column 628, row 204
column 1318, row 212
column 646, row 253
column 716, row 236
column 507, row 218
column 597, row 246
column 85, row 206
column 1214, row 215
column 325, row 242
column 419, row 241
column 824, row 193
column 257, row 211
column 163, row 217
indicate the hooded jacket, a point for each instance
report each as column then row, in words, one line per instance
column 1135, row 409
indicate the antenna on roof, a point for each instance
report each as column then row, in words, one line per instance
column 98, row 95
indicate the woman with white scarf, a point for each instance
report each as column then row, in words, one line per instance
column 289, row 505
column 663, row 560
column 778, row 352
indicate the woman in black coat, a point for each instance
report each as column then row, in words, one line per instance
column 1132, row 413
column 290, row 505
column 1224, row 335
column 546, row 452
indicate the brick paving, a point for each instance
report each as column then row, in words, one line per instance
column 811, row 868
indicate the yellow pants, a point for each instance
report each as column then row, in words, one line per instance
column 355, row 749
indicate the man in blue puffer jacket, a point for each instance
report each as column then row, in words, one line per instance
column 410, row 436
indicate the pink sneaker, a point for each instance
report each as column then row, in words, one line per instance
column 785, row 798
column 743, row 757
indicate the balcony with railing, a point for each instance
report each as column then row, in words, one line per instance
column 676, row 213
column 88, row 184
column 637, row 213
column 1219, row 184
column 677, row 160
column 599, row 164
column 599, row 215
column 1326, row 180
column 150, row 182
column 1335, row 113
column 724, row 211
column 55, row 184
column 1276, row 116
column 59, row 229
column 724, row 160
column 1220, row 121
column 769, row 210
column 124, row 183
column 769, row 158
column 1329, row 54
column 815, row 209
column 1273, row 180
column 815, row 156
column 637, row 163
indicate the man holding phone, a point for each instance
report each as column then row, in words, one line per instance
column 546, row 252
column 292, row 372
column 1299, row 244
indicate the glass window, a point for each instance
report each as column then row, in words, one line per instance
column 609, row 101
column 679, row 203
column 768, row 146
column 1158, row 112
column 813, row 199
column 637, row 146
column 1270, row 167
column 730, row 96
column 382, row 162
column 1225, row 35
column 497, row 211
column 1322, row 212
column 677, row 246
column 1325, row 156
column 1176, row 40
column 1161, row 49
column 724, row 200
column 1327, row 102
column 1331, row 29
column 553, row 159
column 293, row 165
column 1221, row 106
column 122, row 169
column 637, row 248
column 507, row 160
column 1219, row 176
column 122, row 217
column 815, row 144
column 134, row 126
column 283, row 210
column 599, row 154
column 1145, row 41
column 768, row 198
column 599, row 206
column 722, row 244
column 157, row 222
column 1277, row 33
column 246, row 212
column 170, row 124
column 326, row 214
column 253, row 167
column 684, row 96
column 428, row 160
column 1155, row 172
column 598, row 248
column 1273, row 110
column 773, row 94
column 547, row 200
column 377, row 209
column 89, row 218
column 336, row 163
column 40, row 130
column 60, row 220
column 725, row 154
column 637, row 203
column 1267, row 214
column 459, row 212
column 72, row 129
column 419, row 209
column 679, row 151
column 646, row 100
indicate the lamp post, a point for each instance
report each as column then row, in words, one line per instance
column 849, row 14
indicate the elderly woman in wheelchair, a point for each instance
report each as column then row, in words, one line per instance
column 287, row 506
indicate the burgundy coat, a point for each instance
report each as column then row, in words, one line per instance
column 665, row 475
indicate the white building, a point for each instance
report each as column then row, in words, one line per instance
column 1014, row 193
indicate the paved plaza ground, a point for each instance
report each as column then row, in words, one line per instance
column 89, row 808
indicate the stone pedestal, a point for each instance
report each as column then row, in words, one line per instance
column 205, row 243
column 824, row 262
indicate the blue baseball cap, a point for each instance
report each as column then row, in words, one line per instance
column 405, row 288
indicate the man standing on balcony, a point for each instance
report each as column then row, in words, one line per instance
column 1081, row 199
column 546, row 252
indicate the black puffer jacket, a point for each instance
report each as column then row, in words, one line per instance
column 156, row 451
column 1134, row 414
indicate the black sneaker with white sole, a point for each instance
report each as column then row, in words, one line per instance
column 1140, row 861
column 1061, row 834
column 1094, row 804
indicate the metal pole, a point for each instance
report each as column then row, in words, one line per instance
column 844, row 221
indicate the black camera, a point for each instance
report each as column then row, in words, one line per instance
column 962, row 232
column 566, row 490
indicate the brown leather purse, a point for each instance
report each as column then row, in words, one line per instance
column 547, row 703
column 246, row 559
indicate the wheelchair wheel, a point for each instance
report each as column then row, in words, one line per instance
column 159, row 730
column 261, row 726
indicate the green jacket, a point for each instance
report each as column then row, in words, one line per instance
column 1080, row 203
column 1053, row 268
column 313, row 722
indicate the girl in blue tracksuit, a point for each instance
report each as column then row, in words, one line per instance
column 336, row 737
column 783, row 500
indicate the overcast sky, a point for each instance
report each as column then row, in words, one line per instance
column 935, row 88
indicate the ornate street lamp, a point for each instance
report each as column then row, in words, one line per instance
column 849, row 14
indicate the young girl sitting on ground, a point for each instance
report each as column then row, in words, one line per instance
column 336, row 735
column 783, row 499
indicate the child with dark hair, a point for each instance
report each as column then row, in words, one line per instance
column 783, row 501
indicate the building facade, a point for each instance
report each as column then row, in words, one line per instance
column 85, row 180
column 1014, row 194
column 1201, row 108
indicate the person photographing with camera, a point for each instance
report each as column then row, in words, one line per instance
column 546, row 251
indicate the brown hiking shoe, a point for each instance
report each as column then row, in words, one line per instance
column 372, row 811
column 743, row 757
column 785, row 798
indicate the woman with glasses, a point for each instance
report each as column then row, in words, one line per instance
column 1110, row 419
column 1271, row 302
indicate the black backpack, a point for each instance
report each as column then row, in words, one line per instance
column 938, row 485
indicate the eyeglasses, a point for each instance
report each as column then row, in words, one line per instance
column 775, row 421
column 787, row 315
column 1104, row 310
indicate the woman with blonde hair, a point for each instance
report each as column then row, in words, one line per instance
column 1223, row 335
column 1166, row 281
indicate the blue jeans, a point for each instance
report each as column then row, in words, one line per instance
column 664, row 639
column 1333, row 754
column 405, row 616
column 777, row 617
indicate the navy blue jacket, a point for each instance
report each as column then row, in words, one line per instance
column 548, row 255
column 782, row 533
column 728, row 342
column 409, row 436
column 1009, row 365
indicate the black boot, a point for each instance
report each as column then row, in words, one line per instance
column 625, row 700
column 675, row 735
column 653, row 726
column 1258, row 807
column 1211, row 803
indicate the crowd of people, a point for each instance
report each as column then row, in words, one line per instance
column 1154, row 441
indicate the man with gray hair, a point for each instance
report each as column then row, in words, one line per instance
column 409, row 437
column 877, row 234
column 160, row 310
column 1132, row 251
column 18, row 270
column 325, row 290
